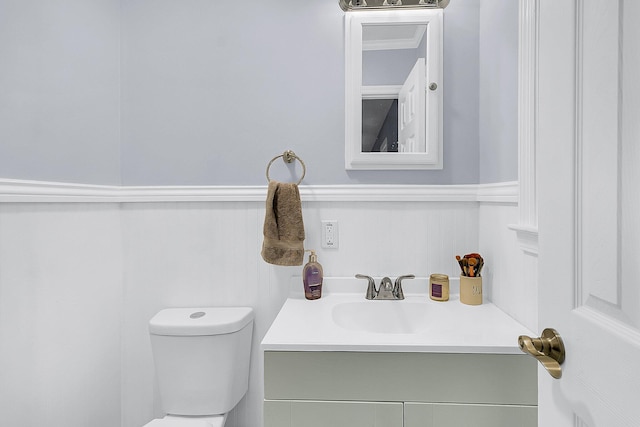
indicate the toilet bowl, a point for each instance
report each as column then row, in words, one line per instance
column 201, row 357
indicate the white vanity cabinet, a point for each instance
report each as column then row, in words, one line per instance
column 389, row 389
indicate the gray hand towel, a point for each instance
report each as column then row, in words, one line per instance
column 283, row 227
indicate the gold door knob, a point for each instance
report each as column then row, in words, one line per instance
column 548, row 350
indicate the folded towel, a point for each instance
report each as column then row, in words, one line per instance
column 283, row 227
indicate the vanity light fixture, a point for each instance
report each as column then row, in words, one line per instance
column 348, row 5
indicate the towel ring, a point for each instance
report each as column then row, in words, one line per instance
column 288, row 156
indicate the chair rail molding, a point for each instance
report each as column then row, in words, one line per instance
column 21, row 191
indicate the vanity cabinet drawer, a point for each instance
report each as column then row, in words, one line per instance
column 401, row 377
column 447, row 415
column 287, row 413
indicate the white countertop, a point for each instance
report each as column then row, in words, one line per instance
column 449, row 327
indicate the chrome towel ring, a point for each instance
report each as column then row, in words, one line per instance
column 288, row 156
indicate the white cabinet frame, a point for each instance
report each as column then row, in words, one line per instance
column 354, row 157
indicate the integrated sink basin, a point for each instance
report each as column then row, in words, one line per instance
column 382, row 317
column 343, row 320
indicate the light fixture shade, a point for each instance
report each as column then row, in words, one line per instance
column 348, row 5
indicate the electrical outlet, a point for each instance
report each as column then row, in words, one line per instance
column 330, row 234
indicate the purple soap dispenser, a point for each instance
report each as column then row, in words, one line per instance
column 312, row 277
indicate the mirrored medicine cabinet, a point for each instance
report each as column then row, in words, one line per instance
column 393, row 89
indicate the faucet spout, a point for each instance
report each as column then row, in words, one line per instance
column 386, row 289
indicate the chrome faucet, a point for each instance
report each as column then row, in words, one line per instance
column 386, row 290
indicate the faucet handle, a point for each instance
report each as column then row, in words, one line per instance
column 371, row 288
column 397, row 288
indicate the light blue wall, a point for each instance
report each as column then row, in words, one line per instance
column 59, row 90
column 498, row 91
column 213, row 91
column 165, row 92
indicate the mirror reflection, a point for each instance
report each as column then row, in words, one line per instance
column 393, row 68
column 393, row 104
column 380, row 125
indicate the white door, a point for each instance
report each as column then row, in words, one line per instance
column 411, row 111
column 588, row 142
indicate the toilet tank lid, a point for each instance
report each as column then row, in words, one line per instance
column 200, row 321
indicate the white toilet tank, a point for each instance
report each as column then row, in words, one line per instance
column 202, row 358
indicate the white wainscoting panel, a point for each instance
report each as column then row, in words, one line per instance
column 80, row 281
column 60, row 315
column 512, row 274
column 199, row 254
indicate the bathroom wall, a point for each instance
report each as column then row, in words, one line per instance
column 512, row 271
column 129, row 92
column 498, row 83
column 206, row 101
column 60, row 314
column 159, row 92
column 60, row 90
column 179, row 255
column 80, row 281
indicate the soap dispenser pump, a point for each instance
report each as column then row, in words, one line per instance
column 312, row 277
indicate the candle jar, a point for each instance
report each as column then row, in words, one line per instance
column 439, row 287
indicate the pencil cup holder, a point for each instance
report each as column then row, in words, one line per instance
column 471, row 290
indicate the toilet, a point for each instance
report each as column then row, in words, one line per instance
column 201, row 358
